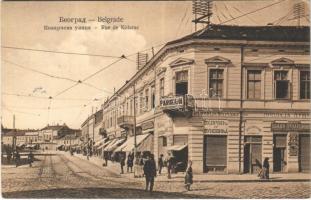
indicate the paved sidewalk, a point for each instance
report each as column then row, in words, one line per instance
column 179, row 177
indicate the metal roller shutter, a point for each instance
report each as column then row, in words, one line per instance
column 304, row 153
column 215, row 153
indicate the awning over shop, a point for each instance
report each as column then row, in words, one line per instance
column 114, row 145
column 30, row 145
column 105, row 144
column 177, row 147
column 100, row 142
column 129, row 144
column 20, row 144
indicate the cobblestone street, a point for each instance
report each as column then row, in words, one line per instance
column 61, row 176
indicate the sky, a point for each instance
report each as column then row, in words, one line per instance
column 28, row 73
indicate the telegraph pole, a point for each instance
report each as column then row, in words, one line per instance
column 134, row 128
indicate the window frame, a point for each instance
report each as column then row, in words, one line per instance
column 223, row 82
column 253, row 81
column 288, row 80
column 300, row 81
column 181, row 71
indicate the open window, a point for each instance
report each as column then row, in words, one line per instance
column 281, row 85
column 181, row 84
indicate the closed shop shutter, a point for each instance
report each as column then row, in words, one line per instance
column 215, row 153
column 304, row 153
column 180, row 139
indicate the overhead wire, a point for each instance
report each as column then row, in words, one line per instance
column 57, row 52
column 54, row 76
column 253, row 11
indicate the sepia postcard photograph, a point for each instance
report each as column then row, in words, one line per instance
column 193, row 99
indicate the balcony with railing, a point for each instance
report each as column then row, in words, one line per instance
column 125, row 121
column 177, row 104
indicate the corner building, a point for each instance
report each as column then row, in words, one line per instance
column 225, row 97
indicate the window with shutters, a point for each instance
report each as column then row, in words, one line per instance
column 161, row 87
column 304, row 84
column 281, row 85
column 152, row 96
column 164, row 141
column 141, row 102
column 253, row 84
column 146, row 100
column 181, row 83
column 216, row 79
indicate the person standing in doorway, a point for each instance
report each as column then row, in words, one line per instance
column 150, row 172
column 189, row 176
column 160, row 163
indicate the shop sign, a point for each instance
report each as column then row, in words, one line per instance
column 206, row 113
column 291, row 126
column 296, row 115
column 216, row 127
column 172, row 102
column 293, row 144
column 147, row 125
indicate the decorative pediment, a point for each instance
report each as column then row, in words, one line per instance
column 218, row 60
column 282, row 61
column 181, row 61
column 161, row 70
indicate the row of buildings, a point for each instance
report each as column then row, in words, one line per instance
column 48, row 138
column 225, row 97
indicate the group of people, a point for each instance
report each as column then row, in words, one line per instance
column 146, row 166
column 17, row 158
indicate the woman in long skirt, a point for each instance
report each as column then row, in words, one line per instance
column 188, row 176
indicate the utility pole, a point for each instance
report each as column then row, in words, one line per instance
column 13, row 121
column 134, row 128
column 204, row 9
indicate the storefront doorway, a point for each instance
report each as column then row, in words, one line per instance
column 252, row 154
column 215, row 153
column 304, row 153
column 279, row 153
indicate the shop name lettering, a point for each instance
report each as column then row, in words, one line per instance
column 215, row 126
column 290, row 127
column 287, row 115
column 172, row 101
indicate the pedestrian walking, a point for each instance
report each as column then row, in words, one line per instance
column 150, row 172
column 122, row 163
column 265, row 167
column 130, row 160
column 17, row 158
column 170, row 166
column 106, row 158
column 30, row 158
column 189, row 176
column 9, row 156
column 160, row 163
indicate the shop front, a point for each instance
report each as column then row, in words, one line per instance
column 291, row 146
column 215, row 145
